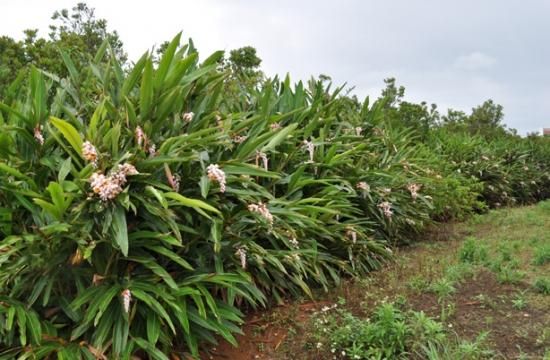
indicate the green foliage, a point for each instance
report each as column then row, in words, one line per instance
column 542, row 285
column 77, row 32
column 519, row 302
column 389, row 334
column 142, row 207
column 541, row 255
column 473, row 251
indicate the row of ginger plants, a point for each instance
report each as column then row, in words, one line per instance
column 141, row 209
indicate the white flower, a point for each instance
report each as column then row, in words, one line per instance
column 263, row 156
column 89, row 152
column 363, row 186
column 128, row 169
column 175, row 182
column 262, row 209
column 108, row 187
column 238, row 139
column 386, row 209
column 413, row 189
column 352, row 234
column 126, row 298
column 294, row 242
column 319, row 345
column 188, row 116
column 140, row 136
column 105, row 186
column 310, row 149
column 241, row 253
column 216, row 174
column 38, row 134
column 275, row 126
column 152, row 150
column 358, row 131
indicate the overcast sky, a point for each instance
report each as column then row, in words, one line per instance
column 453, row 53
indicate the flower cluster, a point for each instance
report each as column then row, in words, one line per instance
column 38, row 134
column 126, row 295
column 351, row 234
column 413, row 189
column 363, row 186
column 216, row 174
column 263, row 156
column 241, row 253
column 238, row 139
column 89, row 152
column 108, row 187
column 262, row 209
column 275, row 126
column 188, row 116
column 386, row 208
column 152, row 150
column 175, row 182
column 310, row 149
column 140, row 136
column 294, row 242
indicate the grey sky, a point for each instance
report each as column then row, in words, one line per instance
column 453, row 53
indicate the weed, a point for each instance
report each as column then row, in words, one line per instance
column 473, row 251
column 505, row 251
column 458, row 272
column 443, row 288
column 519, row 302
column 544, row 338
column 474, row 349
column 447, row 311
column 486, row 301
column 541, row 255
column 419, row 284
column 389, row 333
column 542, row 285
column 509, row 275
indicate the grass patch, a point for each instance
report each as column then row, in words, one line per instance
column 454, row 298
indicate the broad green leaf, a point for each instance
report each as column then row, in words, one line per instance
column 120, row 229
column 146, row 91
column 193, row 203
column 69, row 133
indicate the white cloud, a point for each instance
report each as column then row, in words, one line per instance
column 501, row 44
column 475, row 61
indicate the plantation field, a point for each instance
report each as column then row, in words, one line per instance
column 473, row 290
column 146, row 207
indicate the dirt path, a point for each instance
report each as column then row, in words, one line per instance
column 484, row 280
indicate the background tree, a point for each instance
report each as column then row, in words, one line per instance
column 400, row 113
column 77, row 32
column 244, row 60
column 486, row 119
